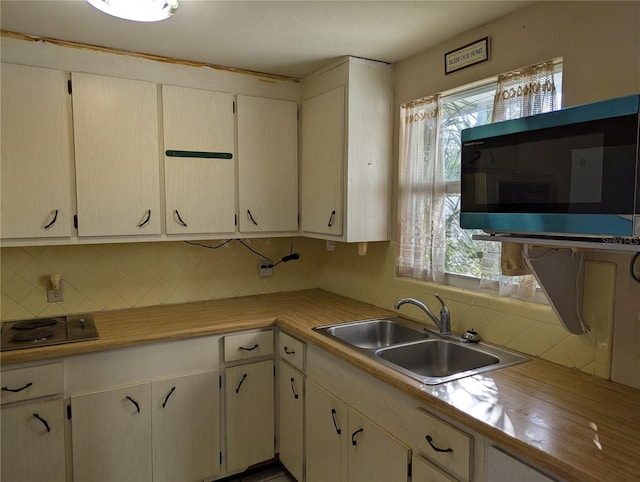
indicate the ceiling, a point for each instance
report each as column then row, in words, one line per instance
column 289, row 38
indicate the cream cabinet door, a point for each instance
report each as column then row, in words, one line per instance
column 502, row 466
column 323, row 151
column 267, row 164
column 326, row 436
column 374, row 455
column 250, row 414
column 291, row 420
column 111, row 433
column 36, row 153
column 424, row 471
column 199, row 161
column 33, row 442
column 117, row 156
column 186, row 427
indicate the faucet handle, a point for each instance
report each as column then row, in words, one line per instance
column 444, row 306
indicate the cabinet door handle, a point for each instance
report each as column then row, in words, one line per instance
column 53, row 221
column 146, row 220
column 166, row 399
column 180, row 221
column 241, row 382
column 288, row 352
column 335, row 424
column 249, row 349
column 331, row 218
column 437, row 449
column 251, row 217
column 353, row 436
column 293, row 388
column 134, row 402
column 44, row 422
column 16, row 390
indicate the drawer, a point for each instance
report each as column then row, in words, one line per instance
column 424, row 471
column 291, row 350
column 446, row 446
column 248, row 345
column 32, row 382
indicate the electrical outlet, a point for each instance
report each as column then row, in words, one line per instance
column 264, row 271
column 55, row 295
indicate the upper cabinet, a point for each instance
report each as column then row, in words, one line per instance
column 199, row 161
column 117, row 156
column 346, row 152
column 267, row 165
column 37, row 159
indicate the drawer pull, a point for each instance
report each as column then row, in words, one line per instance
column 331, row 219
column 146, row 220
column 353, row 436
column 166, row 399
column 335, row 424
column 44, row 422
column 293, row 388
column 180, row 221
column 53, row 221
column 430, row 440
column 249, row 349
column 251, row 217
column 241, row 382
column 289, row 352
column 134, row 402
column 16, row 390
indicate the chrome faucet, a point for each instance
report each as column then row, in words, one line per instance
column 443, row 324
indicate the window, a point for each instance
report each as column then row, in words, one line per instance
column 443, row 118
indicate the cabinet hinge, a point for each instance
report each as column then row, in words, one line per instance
column 68, row 411
column 75, row 221
column 220, row 381
column 234, row 106
column 235, row 219
column 69, row 87
column 220, row 457
column 409, row 470
column 274, row 371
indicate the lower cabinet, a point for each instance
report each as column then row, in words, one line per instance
column 33, row 442
column 250, row 414
column 424, row 471
column 291, row 420
column 343, row 445
column 161, row 430
column 502, row 466
column 112, row 435
column 185, row 421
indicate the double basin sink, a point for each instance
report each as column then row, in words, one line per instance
column 422, row 354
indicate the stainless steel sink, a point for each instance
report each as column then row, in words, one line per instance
column 377, row 333
column 422, row 354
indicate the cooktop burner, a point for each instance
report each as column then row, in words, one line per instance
column 36, row 332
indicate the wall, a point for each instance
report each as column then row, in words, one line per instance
column 600, row 45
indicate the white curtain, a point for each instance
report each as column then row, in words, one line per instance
column 520, row 93
column 421, row 226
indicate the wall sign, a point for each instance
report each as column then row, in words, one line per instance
column 466, row 56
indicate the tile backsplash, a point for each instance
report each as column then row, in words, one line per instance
column 116, row 276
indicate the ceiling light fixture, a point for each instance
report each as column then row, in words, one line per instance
column 137, row 10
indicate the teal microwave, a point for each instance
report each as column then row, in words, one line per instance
column 571, row 172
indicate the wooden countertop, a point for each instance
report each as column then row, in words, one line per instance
column 575, row 425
